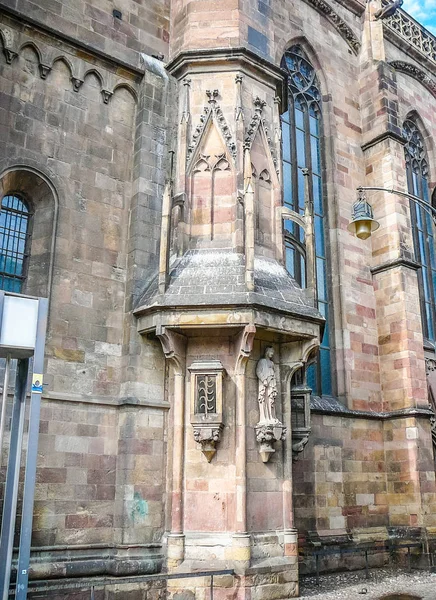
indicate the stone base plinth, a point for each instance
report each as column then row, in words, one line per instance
column 276, row 581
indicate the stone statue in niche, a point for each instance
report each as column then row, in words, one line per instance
column 269, row 429
column 265, row 372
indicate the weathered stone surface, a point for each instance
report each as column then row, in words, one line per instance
column 92, row 127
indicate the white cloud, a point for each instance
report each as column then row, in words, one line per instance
column 423, row 11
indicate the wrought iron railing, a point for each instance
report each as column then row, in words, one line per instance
column 413, row 33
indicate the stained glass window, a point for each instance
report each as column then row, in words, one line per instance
column 301, row 134
column 423, row 238
column 14, row 242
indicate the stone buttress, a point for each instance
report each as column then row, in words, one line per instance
column 222, row 296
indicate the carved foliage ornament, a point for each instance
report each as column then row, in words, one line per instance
column 416, row 73
column 256, row 120
column 213, row 111
column 346, row 32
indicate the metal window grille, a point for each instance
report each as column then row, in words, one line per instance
column 15, row 219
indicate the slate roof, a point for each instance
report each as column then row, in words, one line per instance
column 217, row 278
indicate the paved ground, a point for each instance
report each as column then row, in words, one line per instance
column 354, row 586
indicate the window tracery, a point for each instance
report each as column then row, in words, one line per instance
column 423, row 235
column 302, row 149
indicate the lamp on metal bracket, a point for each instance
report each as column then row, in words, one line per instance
column 363, row 222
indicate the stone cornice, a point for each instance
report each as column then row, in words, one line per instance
column 386, row 135
column 76, row 43
column 415, row 72
column 188, row 60
column 393, row 264
column 338, row 23
column 332, row 406
column 355, row 6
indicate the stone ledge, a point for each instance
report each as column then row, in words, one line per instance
column 393, row 264
column 114, row 401
column 328, row 405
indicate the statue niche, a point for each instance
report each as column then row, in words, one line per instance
column 269, row 429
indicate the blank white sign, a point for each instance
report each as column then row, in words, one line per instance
column 20, row 319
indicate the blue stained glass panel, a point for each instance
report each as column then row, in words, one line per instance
column 287, row 185
column 320, row 279
column 316, row 159
column 319, row 233
column 290, row 260
column 303, row 271
column 311, row 378
column 299, row 118
column 301, row 191
column 286, row 136
column 314, row 125
column 317, row 194
column 301, row 148
column 326, row 371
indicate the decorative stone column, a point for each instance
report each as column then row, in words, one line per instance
column 174, row 347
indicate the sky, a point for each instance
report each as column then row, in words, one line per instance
column 423, row 11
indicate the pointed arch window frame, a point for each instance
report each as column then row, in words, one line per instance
column 309, row 133
column 417, row 175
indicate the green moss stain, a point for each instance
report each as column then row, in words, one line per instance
column 139, row 509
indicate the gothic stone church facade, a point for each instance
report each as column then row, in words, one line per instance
column 231, row 375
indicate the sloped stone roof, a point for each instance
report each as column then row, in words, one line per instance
column 217, row 278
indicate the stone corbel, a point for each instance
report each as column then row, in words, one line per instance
column 173, row 346
column 267, row 434
column 245, row 346
column 208, row 436
column 77, row 83
column 106, row 94
column 10, row 55
column 44, row 70
column 178, row 200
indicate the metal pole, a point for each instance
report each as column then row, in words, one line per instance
column 4, row 402
column 32, row 455
column 425, row 205
column 12, row 478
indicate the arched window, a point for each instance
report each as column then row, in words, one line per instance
column 417, row 183
column 301, row 135
column 15, row 217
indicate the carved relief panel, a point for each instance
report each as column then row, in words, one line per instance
column 207, row 404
